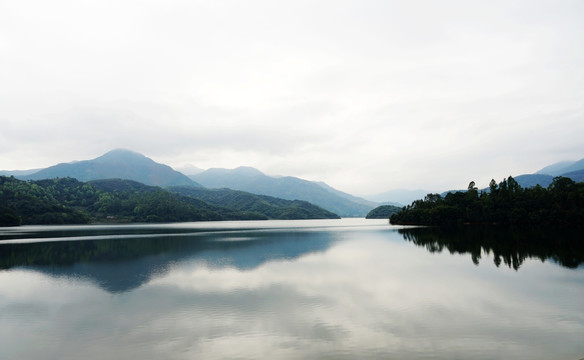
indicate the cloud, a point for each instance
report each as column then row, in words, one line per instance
column 422, row 89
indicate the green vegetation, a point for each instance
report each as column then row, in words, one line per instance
column 272, row 207
column 69, row 201
column 561, row 203
column 383, row 212
column 31, row 203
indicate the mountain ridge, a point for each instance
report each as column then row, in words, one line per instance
column 130, row 165
column 251, row 180
column 563, row 167
column 544, row 177
column 117, row 163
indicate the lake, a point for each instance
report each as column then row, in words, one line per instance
column 311, row 289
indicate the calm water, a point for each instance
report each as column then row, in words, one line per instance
column 338, row 289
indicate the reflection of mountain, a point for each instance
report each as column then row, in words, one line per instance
column 509, row 245
column 119, row 265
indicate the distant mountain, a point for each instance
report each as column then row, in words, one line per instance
column 350, row 197
column 561, row 168
column 577, row 176
column 122, row 164
column 18, row 173
column 241, row 178
column 273, row 208
column 398, row 197
column 555, row 169
column 287, row 187
column 531, row 180
column 544, row 177
column 189, row 169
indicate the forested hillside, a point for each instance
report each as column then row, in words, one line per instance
column 272, row 207
column 561, row 203
column 70, row 201
column 24, row 202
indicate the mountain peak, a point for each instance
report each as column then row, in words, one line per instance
column 118, row 164
column 121, row 154
column 248, row 171
column 122, row 151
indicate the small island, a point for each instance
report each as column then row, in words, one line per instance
column 383, row 212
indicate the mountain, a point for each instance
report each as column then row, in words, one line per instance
column 291, row 188
column 398, row 197
column 531, row 180
column 561, row 168
column 189, row 169
column 70, row 201
column 273, row 208
column 555, row 169
column 577, row 176
column 544, row 177
column 119, row 163
column 18, row 173
column 350, row 197
column 241, row 178
column 129, row 165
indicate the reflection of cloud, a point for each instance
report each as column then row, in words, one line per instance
column 382, row 305
column 370, row 297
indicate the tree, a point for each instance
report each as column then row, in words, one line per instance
column 562, row 203
column 493, row 186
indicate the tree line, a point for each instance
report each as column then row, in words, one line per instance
column 561, row 203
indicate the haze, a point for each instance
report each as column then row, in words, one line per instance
column 364, row 95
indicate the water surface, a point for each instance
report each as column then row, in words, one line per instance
column 339, row 289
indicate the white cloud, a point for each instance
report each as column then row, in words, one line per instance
column 366, row 96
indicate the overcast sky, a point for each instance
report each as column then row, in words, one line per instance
column 367, row 96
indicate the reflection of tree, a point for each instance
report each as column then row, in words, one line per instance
column 121, row 264
column 508, row 245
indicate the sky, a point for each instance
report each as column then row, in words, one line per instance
column 367, row 96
